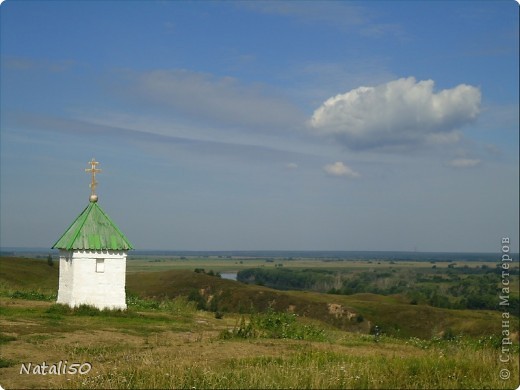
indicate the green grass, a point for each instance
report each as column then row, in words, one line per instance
column 7, row 362
column 31, row 294
column 274, row 325
column 176, row 314
column 6, row 338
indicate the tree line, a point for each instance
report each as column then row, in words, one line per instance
column 454, row 288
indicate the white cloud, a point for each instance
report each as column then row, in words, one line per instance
column 340, row 169
column 464, row 163
column 400, row 113
column 292, row 165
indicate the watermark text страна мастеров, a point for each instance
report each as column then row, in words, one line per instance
column 505, row 355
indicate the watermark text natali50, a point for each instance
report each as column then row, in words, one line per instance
column 59, row 368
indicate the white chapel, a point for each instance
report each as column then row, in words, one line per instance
column 93, row 255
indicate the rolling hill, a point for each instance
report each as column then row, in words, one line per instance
column 357, row 313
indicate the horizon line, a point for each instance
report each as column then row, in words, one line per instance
column 43, row 249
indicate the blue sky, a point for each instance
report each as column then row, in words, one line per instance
column 378, row 125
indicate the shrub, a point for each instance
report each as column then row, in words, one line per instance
column 177, row 305
column 59, row 309
column 135, row 302
column 449, row 335
column 31, row 295
column 194, row 296
column 4, row 363
column 275, row 325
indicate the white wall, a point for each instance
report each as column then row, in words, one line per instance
column 81, row 284
column 65, row 281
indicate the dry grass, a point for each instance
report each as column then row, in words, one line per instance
column 183, row 349
column 282, row 364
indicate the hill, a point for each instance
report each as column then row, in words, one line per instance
column 23, row 273
column 358, row 312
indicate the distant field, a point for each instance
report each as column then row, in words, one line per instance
column 158, row 263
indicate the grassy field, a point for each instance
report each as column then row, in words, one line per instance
column 162, row 263
column 292, row 339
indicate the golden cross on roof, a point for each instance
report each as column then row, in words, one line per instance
column 93, row 183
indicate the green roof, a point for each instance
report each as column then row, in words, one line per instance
column 93, row 230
